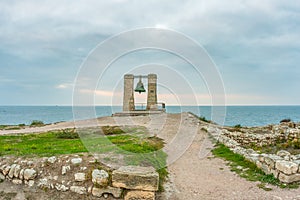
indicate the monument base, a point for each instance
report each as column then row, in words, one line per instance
column 138, row 113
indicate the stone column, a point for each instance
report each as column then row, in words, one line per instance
column 128, row 98
column 152, row 92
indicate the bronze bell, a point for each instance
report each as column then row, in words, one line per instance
column 140, row 87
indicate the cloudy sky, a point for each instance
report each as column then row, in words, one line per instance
column 255, row 46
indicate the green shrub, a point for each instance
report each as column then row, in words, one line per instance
column 285, row 120
column 37, row 123
column 238, row 126
column 112, row 130
column 67, row 134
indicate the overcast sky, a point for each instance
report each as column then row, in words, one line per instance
column 254, row 44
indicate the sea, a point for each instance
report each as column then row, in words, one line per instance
column 228, row 116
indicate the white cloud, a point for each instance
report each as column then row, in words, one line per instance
column 244, row 37
column 64, row 86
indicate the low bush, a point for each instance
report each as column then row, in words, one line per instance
column 37, row 123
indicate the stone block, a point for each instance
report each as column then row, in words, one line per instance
column 29, row 174
column 265, row 168
column 139, row 195
column 52, row 159
column 2, row 177
column 80, row 177
column 275, row 172
column 21, row 174
column 283, row 153
column 78, row 189
column 65, row 169
column 61, row 187
column 100, row 177
column 17, row 171
column 136, row 178
column 271, row 160
column 287, row 167
column 289, row 178
column 76, row 161
column 98, row 192
column 17, row 181
column 29, row 183
column 12, row 171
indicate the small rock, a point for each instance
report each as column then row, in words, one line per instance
column 78, row 189
column 21, row 174
column 100, row 177
column 11, row 171
column 29, row 174
column 30, row 163
column 30, row 183
column 76, row 161
column 2, row 177
column 83, row 168
column 80, row 177
column 43, row 183
column 60, row 187
column 52, row 159
column 17, row 181
column 65, row 169
column 17, row 171
column 283, row 153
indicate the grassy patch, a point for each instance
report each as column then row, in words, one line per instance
column 247, row 169
column 138, row 149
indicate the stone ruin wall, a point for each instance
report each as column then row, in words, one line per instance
column 81, row 175
column 282, row 165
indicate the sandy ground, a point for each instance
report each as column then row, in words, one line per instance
column 194, row 173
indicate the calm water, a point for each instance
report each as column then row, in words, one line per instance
column 244, row 115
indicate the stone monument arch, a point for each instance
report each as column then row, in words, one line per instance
column 152, row 105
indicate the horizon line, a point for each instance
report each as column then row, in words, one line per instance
column 70, row 105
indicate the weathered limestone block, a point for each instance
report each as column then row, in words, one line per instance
column 139, row 195
column 29, row 183
column 80, row 177
column 65, row 169
column 135, row 177
column 76, row 161
column 261, row 158
column 29, row 174
column 21, row 174
column 287, row 167
column 100, row 177
column 43, row 183
column 283, row 153
column 2, row 177
column 12, row 171
column 61, row 187
column 289, row 178
column 98, row 192
column 17, row 181
column 52, row 159
column 275, row 172
column 271, row 160
column 78, row 189
column 263, row 166
column 17, row 171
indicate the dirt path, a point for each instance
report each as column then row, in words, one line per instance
column 194, row 173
